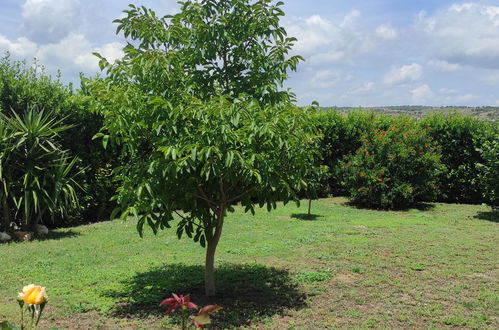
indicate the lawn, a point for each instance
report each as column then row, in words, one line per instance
column 344, row 268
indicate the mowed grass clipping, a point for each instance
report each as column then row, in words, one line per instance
column 343, row 267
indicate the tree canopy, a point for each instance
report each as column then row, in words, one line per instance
column 210, row 47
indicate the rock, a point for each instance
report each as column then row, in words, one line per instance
column 23, row 235
column 41, row 230
column 4, row 237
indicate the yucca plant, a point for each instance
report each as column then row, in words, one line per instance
column 5, row 139
column 65, row 186
column 39, row 174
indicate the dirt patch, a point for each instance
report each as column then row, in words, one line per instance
column 94, row 320
column 345, row 278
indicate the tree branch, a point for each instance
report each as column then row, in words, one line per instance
column 222, row 191
column 241, row 195
column 212, row 205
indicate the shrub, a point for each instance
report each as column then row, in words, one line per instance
column 393, row 168
column 37, row 175
column 459, row 138
column 489, row 172
column 341, row 135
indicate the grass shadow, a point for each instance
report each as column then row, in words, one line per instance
column 57, row 235
column 419, row 206
column 489, row 216
column 423, row 206
column 306, row 217
column 247, row 293
column 52, row 235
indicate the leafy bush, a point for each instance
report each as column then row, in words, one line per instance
column 393, row 168
column 341, row 135
column 459, row 139
column 489, row 169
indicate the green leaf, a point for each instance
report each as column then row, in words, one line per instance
column 8, row 326
column 193, row 154
column 105, row 140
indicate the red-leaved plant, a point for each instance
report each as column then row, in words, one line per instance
column 183, row 303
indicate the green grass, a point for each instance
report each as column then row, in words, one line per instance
column 342, row 268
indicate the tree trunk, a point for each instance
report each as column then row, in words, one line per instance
column 209, row 273
column 5, row 213
column 309, row 206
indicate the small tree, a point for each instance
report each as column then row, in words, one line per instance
column 196, row 102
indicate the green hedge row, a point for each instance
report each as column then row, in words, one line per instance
column 459, row 161
column 458, row 141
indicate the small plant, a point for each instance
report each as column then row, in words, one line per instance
column 183, row 303
column 32, row 300
column 419, row 266
column 314, row 276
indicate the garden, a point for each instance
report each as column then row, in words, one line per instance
column 184, row 188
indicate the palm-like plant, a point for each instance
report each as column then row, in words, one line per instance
column 5, row 137
column 38, row 172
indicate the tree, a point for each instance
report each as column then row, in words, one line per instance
column 195, row 101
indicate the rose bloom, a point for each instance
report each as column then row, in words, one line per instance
column 33, row 295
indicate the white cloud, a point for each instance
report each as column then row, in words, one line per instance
column 71, row 55
column 465, row 98
column 74, row 53
column 386, row 32
column 448, row 91
column 444, row 66
column 329, row 78
column 324, row 41
column 22, row 47
column 466, row 34
column 49, row 21
column 350, row 18
column 404, row 74
column 491, row 77
column 311, row 32
column 367, row 87
column 422, row 93
column 111, row 51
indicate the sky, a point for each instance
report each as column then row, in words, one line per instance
column 357, row 53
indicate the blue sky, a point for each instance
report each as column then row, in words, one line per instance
column 358, row 53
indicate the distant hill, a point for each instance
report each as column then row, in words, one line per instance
column 485, row 113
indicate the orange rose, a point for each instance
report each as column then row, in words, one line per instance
column 33, row 295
